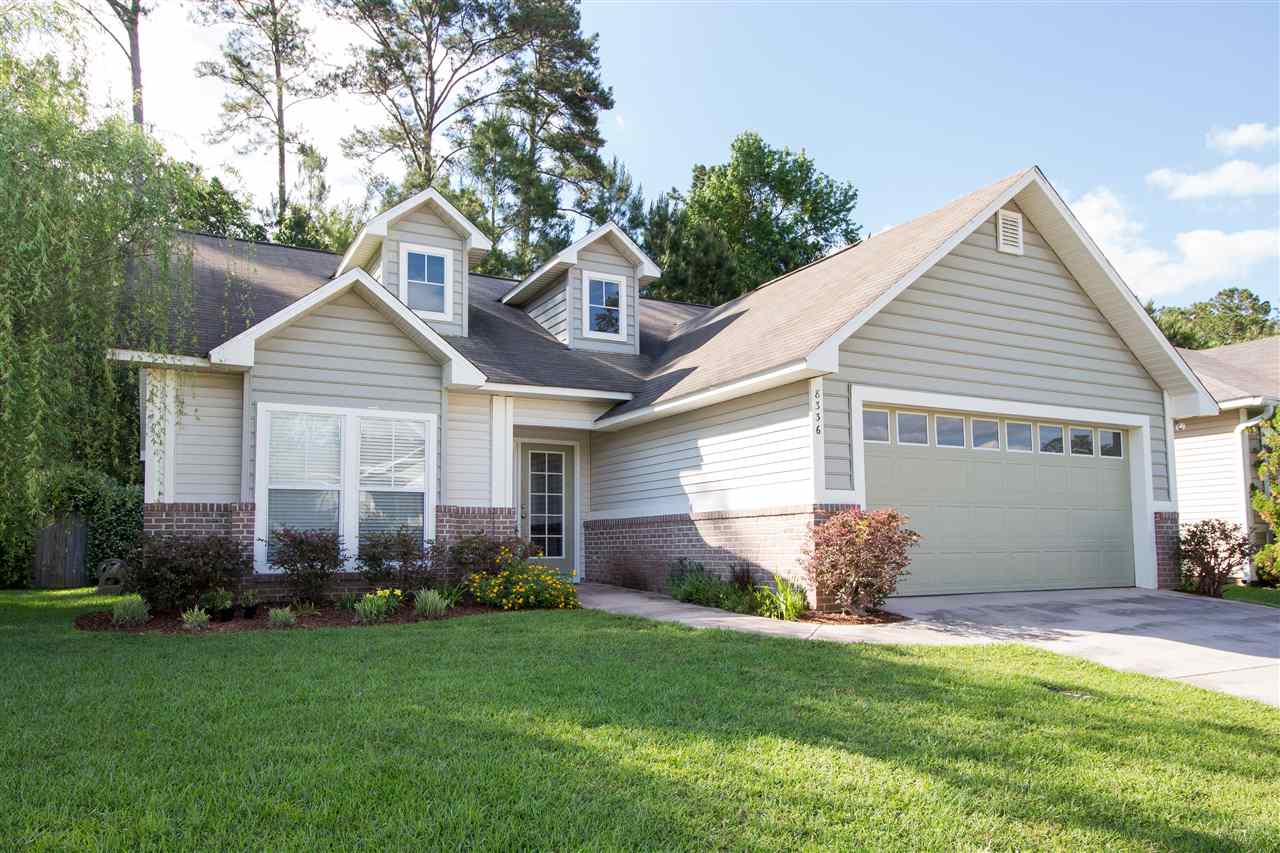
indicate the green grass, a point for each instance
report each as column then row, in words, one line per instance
column 573, row 730
column 1253, row 594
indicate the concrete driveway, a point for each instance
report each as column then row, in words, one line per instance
column 1226, row 646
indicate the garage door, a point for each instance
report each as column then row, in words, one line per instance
column 1003, row 504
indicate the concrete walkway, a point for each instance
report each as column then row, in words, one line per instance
column 1226, row 646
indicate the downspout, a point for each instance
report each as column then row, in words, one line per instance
column 1238, row 432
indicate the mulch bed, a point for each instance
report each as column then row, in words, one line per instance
column 170, row 621
column 875, row 617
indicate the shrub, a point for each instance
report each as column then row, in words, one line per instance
column 130, row 612
column 348, row 600
column 429, row 603
column 784, row 601
column 400, row 559
column 1266, row 565
column 690, row 581
column 173, row 572
column 304, row 608
column 1211, row 552
column 195, row 619
column 1266, row 502
column 857, row 557
column 219, row 599
column 281, row 617
column 378, row 605
column 520, row 585
column 483, row 554
column 309, row 560
column 248, row 598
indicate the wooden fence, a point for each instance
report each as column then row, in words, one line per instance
column 60, row 554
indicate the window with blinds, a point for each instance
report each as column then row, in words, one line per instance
column 393, row 476
column 305, row 471
column 348, row 472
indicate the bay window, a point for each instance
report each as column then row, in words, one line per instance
column 354, row 472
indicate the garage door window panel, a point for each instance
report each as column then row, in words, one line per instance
column 1111, row 444
column 913, row 428
column 1051, row 437
column 1081, row 441
column 986, row 434
column 948, row 431
column 1018, row 437
column 875, row 426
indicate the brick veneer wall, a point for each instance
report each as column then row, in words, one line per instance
column 237, row 519
column 1168, row 573
column 639, row 551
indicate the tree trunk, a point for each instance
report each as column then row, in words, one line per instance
column 280, row 138
column 135, row 59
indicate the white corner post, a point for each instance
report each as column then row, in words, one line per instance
column 502, row 450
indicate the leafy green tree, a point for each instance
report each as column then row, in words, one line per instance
column 1234, row 315
column 1266, row 502
column 426, row 64
column 84, row 201
column 268, row 62
column 700, row 267
column 310, row 221
column 615, row 198
column 208, row 206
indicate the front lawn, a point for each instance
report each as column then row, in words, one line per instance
column 574, row 729
column 1253, row 594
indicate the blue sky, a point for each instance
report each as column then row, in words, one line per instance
column 917, row 105
column 914, row 104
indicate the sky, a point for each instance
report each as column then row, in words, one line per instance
column 1158, row 123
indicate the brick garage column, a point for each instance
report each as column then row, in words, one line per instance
column 1168, row 573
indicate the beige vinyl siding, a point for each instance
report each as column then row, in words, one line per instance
column 423, row 227
column 1210, row 469
column 468, row 440
column 568, row 414
column 551, row 311
column 602, row 257
column 207, row 459
column 989, row 324
column 344, row 354
column 837, row 441
column 749, row 452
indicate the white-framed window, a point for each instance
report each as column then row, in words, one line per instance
column 875, row 426
column 912, row 428
column 350, row 471
column 948, row 431
column 1111, row 443
column 604, row 306
column 1018, row 438
column 426, row 280
column 986, row 433
column 1050, row 438
column 1081, row 441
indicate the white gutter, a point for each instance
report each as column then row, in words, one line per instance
column 552, row 391
column 1253, row 422
column 160, row 359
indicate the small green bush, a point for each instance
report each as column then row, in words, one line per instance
column 281, row 617
column 130, row 612
column 429, row 603
column 785, row 600
column 689, row 581
column 1212, row 552
column 348, row 600
column 248, row 598
column 195, row 619
column 377, row 606
column 219, row 599
column 303, row 607
column 309, row 560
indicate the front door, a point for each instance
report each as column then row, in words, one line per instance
column 546, row 503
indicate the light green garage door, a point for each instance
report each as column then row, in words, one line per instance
column 1003, row 504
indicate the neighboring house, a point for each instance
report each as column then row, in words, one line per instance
column 981, row 368
column 1215, row 454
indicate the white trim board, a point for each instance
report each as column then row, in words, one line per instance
column 348, row 511
column 553, row 391
column 1136, row 427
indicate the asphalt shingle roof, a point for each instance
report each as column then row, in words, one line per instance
column 1250, row 369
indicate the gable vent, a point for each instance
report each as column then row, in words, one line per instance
column 1009, row 232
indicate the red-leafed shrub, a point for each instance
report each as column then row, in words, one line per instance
column 172, row 572
column 857, row 557
column 1211, row 552
column 309, row 560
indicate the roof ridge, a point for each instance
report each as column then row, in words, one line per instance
column 199, row 233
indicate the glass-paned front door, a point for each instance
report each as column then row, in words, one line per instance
column 546, row 512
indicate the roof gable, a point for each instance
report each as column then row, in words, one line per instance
column 459, row 372
column 569, row 256
column 373, row 232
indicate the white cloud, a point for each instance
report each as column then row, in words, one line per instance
column 1254, row 135
column 617, row 117
column 1233, row 178
column 1203, row 255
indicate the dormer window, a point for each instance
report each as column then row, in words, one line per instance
column 604, row 306
column 425, row 277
